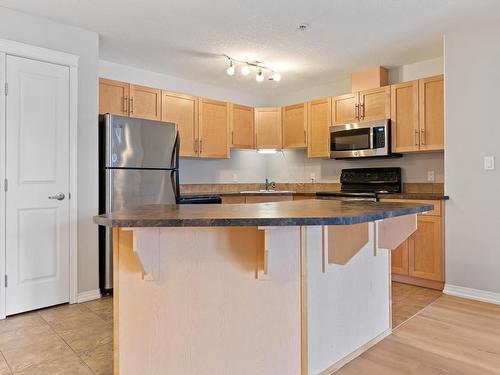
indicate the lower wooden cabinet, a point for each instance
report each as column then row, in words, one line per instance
column 233, row 199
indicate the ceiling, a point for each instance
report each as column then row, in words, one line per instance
column 186, row 38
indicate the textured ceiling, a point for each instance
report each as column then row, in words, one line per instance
column 186, row 38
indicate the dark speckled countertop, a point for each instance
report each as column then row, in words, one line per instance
column 301, row 212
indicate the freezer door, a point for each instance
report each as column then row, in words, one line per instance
column 136, row 143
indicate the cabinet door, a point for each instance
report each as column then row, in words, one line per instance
column 319, row 115
column 113, row 97
column 404, row 117
column 242, row 126
column 295, row 126
column 183, row 110
column 145, row 102
column 213, row 129
column 268, row 128
column 399, row 259
column 426, row 249
column 375, row 104
column 267, row 198
column 345, row 109
column 431, row 92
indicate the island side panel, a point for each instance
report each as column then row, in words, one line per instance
column 208, row 313
column 348, row 305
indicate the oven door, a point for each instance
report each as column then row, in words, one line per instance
column 360, row 140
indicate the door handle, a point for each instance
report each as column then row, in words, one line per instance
column 58, row 196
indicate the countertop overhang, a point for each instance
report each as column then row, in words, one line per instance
column 292, row 213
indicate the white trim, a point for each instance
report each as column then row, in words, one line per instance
column 38, row 53
column 470, row 293
column 8, row 47
column 89, row 295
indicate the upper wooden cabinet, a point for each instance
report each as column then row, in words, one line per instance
column 242, row 126
column 431, row 92
column 213, row 129
column 345, row 109
column 145, row 102
column 295, row 126
column 404, row 117
column 363, row 106
column 268, row 128
column 318, row 121
column 113, row 97
column 182, row 110
column 417, row 115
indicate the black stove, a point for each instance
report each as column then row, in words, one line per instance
column 365, row 184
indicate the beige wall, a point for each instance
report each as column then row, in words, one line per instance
column 40, row 32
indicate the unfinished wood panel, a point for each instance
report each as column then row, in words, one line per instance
column 267, row 198
column 369, row 78
column 345, row 241
column 295, row 126
column 375, row 104
column 242, row 126
column 145, row 102
column 399, row 259
column 233, row 199
column 268, row 128
column 345, row 109
column 404, row 117
column 431, row 93
column 213, row 129
column 319, row 119
column 426, row 249
column 182, row 110
column 113, row 97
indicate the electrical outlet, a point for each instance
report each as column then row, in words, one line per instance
column 489, row 163
column 430, row 176
column 235, row 177
column 313, row 177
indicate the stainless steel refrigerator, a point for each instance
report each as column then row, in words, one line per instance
column 138, row 165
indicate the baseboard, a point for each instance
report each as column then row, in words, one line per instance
column 438, row 285
column 88, row 295
column 348, row 358
column 470, row 293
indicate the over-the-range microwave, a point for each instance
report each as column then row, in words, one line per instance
column 361, row 140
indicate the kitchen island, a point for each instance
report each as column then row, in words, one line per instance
column 296, row 287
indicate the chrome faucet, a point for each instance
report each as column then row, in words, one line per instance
column 270, row 185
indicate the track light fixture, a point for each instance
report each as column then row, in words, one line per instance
column 248, row 66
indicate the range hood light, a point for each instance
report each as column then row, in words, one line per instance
column 267, row 151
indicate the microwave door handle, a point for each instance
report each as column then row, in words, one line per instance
column 371, row 139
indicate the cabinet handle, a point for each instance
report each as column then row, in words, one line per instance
column 131, row 104
column 232, row 137
column 195, row 146
column 422, row 136
column 305, row 136
column 356, row 112
column 363, row 112
column 201, row 146
column 416, row 137
column 125, row 102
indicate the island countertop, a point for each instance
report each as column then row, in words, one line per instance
column 301, row 212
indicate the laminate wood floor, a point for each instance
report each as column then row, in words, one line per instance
column 407, row 300
column 66, row 339
column 451, row 336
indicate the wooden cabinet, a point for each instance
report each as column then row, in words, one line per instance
column 145, row 102
column 113, row 97
column 318, row 122
column 345, row 109
column 431, row 95
column 242, row 126
column 363, row 106
column 404, row 117
column 268, row 128
column 233, row 199
column 417, row 115
column 295, row 126
column 420, row 259
column 213, row 129
column 182, row 110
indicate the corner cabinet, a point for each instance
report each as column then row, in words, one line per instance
column 417, row 115
column 182, row 110
column 242, row 126
column 420, row 259
column 295, row 126
column 213, row 129
column 362, row 106
column 268, row 128
column 318, row 122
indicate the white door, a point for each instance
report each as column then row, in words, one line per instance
column 37, row 167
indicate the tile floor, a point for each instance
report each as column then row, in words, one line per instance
column 407, row 300
column 67, row 339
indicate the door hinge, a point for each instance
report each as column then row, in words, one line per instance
column 6, row 88
column 6, row 281
column 6, row 185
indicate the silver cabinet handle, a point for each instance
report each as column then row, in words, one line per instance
column 58, row 196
